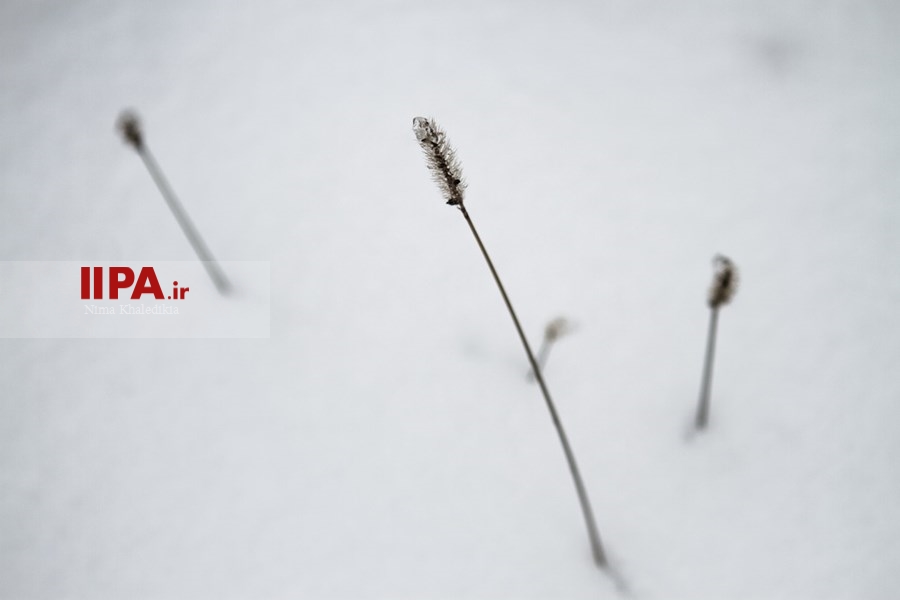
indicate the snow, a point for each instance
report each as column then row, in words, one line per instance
column 384, row 441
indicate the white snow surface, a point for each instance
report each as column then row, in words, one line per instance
column 384, row 442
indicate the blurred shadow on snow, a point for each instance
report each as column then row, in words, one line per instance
column 779, row 54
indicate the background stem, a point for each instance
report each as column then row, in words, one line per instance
column 703, row 406
column 184, row 221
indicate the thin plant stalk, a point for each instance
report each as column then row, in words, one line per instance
column 542, row 353
column 593, row 533
column 703, row 406
column 442, row 162
column 721, row 292
column 130, row 129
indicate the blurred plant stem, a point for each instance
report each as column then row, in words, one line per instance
column 702, row 417
column 129, row 127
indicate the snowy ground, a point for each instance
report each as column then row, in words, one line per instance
column 384, row 441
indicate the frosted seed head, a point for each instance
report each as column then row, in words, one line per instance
column 725, row 282
column 129, row 127
column 441, row 160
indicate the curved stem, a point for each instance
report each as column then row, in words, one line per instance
column 593, row 534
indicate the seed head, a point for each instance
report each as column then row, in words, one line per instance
column 557, row 328
column 129, row 126
column 725, row 282
column 441, row 160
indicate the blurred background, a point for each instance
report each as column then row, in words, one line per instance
column 384, row 441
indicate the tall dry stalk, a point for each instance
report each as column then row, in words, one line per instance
column 445, row 169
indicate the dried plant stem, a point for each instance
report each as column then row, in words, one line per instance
column 129, row 127
column 184, row 221
column 593, row 534
column 703, row 406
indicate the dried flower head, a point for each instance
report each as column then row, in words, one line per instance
column 557, row 328
column 129, row 126
column 725, row 282
column 441, row 160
